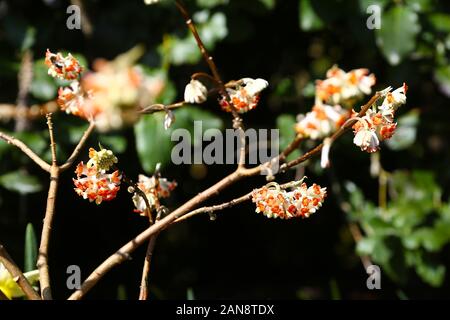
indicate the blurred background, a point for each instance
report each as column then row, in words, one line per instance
column 138, row 55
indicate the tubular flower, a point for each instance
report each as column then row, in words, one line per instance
column 93, row 182
column 154, row 189
column 244, row 95
column 341, row 87
column 67, row 68
column 300, row 202
column 374, row 127
column 195, row 92
column 9, row 286
column 321, row 121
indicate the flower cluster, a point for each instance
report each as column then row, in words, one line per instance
column 154, row 189
column 66, row 68
column 321, row 121
column 93, row 182
column 110, row 93
column 273, row 202
column 341, row 87
column 244, row 95
column 379, row 125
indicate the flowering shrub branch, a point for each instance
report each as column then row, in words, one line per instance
column 99, row 179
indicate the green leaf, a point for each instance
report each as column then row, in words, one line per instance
column 286, row 125
column 31, row 249
column 29, row 39
column 43, row 87
column 269, row 4
column 430, row 271
column 364, row 4
column 153, row 142
column 21, row 182
column 211, row 3
column 442, row 77
column 211, row 28
column 121, row 292
column 185, row 117
column 440, row 21
column 420, row 5
column 308, row 19
column 190, row 294
column 116, row 143
column 406, row 132
column 397, row 36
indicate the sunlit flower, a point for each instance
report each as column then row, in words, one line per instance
column 321, row 121
column 273, row 202
column 195, row 92
column 67, row 68
column 244, row 95
column 93, row 182
column 342, row 87
column 154, row 189
column 71, row 99
column 392, row 101
column 9, row 286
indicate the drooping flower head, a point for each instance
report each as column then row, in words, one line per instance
column 154, row 189
column 302, row 201
column 378, row 123
column 195, row 92
column 67, row 68
column 244, row 95
column 93, row 182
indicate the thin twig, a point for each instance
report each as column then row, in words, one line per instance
column 143, row 293
column 17, row 275
column 78, row 148
column 161, row 107
column 225, row 205
column 52, row 138
column 25, row 79
column 335, row 136
column 25, row 149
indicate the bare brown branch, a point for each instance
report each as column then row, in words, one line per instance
column 25, row 149
column 78, row 148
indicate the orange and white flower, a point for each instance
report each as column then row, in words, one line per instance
column 273, row 202
column 392, row 101
column 67, row 68
column 96, row 185
column 321, row 121
column 342, row 87
column 71, row 99
column 244, row 95
column 154, row 189
column 111, row 93
column 93, row 182
column 374, row 126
